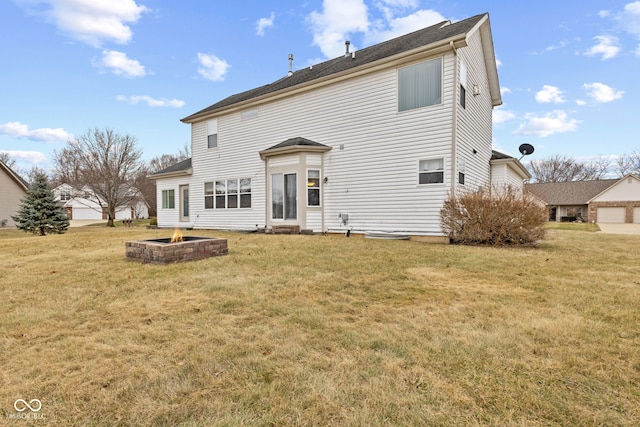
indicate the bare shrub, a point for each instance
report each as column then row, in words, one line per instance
column 493, row 216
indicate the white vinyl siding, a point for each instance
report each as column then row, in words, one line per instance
column 474, row 131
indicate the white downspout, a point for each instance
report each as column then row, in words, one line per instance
column 454, row 115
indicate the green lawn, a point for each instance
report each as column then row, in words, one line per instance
column 320, row 330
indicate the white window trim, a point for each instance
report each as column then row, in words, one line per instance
column 444, row 168
column 319, row 187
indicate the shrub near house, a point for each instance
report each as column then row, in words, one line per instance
column 486, row 217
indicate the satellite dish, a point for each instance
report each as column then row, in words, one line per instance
column 525, row 150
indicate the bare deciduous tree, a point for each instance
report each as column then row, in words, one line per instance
column 146, row 186
column 104, row 163
column 563, row 168
column 628, row 164
column 7, row 160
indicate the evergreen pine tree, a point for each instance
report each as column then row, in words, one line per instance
column 40, row 212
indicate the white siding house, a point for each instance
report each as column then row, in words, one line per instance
column 372, row 141
column 83, row 205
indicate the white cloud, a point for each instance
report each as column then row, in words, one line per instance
column 500, row 115
column 32, row 157
column 19, row 130
column 151, row 102
column 396, row 27
column 549, row 94
column 630, row 18
column 504, row 90
column 212, row 67
column 551, row 123
column 607, row 46
column 600, row 92
column 264, row 23
column 338, row 19
column 93, row 22
column 119, row 64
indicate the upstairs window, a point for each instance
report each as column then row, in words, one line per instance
column 420, row 85
column 431, row 171
column 212, row 132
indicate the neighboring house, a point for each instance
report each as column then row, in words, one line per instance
column 375, row 140
column 604, row 200
column 83, row 205
column 13, row 189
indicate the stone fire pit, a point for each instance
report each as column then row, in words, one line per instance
column 164, row 251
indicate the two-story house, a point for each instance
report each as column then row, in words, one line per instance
column 374, row 140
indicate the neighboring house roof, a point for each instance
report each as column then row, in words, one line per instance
column 443, row 34
column 628, row 178
column 181, row 168
column 293, row 145
column 14, row 176
column 500, row 158
column 571, row 192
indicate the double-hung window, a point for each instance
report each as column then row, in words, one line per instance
column 208, row 195
column 431, row 171
column 313, row 187
column 168, row 199
column 420, row 85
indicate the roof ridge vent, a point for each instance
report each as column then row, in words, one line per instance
column 445, row 24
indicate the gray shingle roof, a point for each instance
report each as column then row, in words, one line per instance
column 426, row 36
column 569, row 193
column 496, row 155
column 296, row 141
column 178, row 167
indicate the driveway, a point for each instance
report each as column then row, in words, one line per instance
column 83, row 222
column 619, row 228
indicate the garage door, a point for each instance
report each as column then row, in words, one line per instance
column 636, row 215
column 613, row 215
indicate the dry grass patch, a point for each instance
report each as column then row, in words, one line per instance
column 318, row 330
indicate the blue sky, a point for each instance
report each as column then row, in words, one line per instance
column 568, row 69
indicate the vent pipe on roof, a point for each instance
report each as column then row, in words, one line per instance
column 346, row 45
column 290, row 64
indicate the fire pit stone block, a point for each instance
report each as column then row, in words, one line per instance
column 162, row 251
